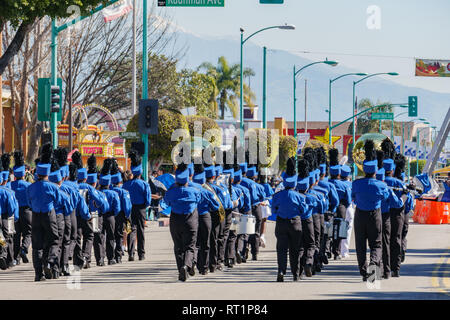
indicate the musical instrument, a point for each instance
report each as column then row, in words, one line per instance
column 2, row 239
column 358, row 154
column 247, row 224
column 128, row 227
column 95, row 226
column 221, row 211
column 340, row 227
column 235, row 218
column 10, row 226
column 266, row 211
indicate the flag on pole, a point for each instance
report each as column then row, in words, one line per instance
column 117, row 10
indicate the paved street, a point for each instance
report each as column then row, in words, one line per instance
column 424, row 275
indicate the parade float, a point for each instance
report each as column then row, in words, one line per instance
column 96, row 131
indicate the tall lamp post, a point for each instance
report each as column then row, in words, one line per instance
column 243, row 41
column 296, row 72
column 353, row 108
column 418, row 145
column 329, row 99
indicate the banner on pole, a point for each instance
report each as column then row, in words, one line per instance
column 432, row 68
column 116, row 10
column 302, row 139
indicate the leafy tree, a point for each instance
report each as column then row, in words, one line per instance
column 286, row 149
column 227, row 79
column 23, row 13
column 200, row 91
column 207, row 124
column 412, row 167
column 160, row 145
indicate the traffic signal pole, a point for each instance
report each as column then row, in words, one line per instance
column 145, row 85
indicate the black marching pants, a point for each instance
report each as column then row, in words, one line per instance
column 254, row 239
column 326, row 241
column 367, row 227
column 386, row 240
column 99, row 242
column 22, row 238
column 397, row 218
column 183, row 229
column 138, row 216
column 202, row 247
column 317, row 236
column 44, row 240
column 306, row 254
column 73, row 233
column 7, row 252
column 214, row 240
column 66, row 240
column 289, row 238
column 61, row 226
column 109, row 226
column 404, row 233
column 223, row 236
column 121, row 223
column 340, row 213
column 84, row 242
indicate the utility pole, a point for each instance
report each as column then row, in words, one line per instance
column 70, row 94
column 306, row 119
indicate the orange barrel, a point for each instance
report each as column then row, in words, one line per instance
column 435, row 213
column 424, row 212
column 417, row 210
column 445, row 212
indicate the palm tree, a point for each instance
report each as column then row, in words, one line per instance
column 227, row 80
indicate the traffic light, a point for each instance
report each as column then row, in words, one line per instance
column 148, row 116
column 412, row 106
column 55, row 98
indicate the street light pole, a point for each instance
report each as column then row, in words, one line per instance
column 145, row 84
column 264, row 88
column 355, row 168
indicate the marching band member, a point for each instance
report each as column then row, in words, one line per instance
column 208, row 204
column 43, row 196
column 349, row 214
column 63, row 211
column 22, row 237
column 109, row 221
column 141, row 198
column 409, row 205
column 268, row 192
column 6, row 161
column 289, row 205
column 307, row 249
column 183, row 201
column 396, row 213
column 125, row 209
column 9, row 209
column 257, row 196
column 368, row 193
column 344, row 193
column 241, row 239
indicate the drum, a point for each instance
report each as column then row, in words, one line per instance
column 235, row 218
column 340, row 227
column 10, row 225
column 246, row 224
column 266, row 211
column 95, row 227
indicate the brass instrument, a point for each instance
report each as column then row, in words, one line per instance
column 358, row 154
column 2, row 239
column 128, row 227
column 221, row 211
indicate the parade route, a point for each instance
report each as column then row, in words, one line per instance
column 424, row 275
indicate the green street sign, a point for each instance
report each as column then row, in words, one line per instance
column 191, row 3
column 44, row 99
column 412, row 106
column 271, row 1
column 382, row 116
column 129, row 135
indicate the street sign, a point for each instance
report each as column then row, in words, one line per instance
column 44, row 99
column 382, row 116
column 271, row 1
column 191, row 3
column 412, row 106
column 129, row 135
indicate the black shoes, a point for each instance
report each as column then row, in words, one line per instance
column 204, row 272
column 141, row 258
column 295, row 277
column 230, row 263
column 130, row 258
column 48, row 272
column 238, row 258
column 337, row 257
column 24, row 257
column 219, row 267
column 111, row 262
column 183, row 274
column 3, row 264
column 100, row 263
column 119, row 259
column 254, row 257
column 325, row 259
column 396, row 274
column 308, row 270
column 192, row 271
column 212, row 269
column 55, row 273
column 65, row 270
column 317, row 268
column 280, row 277
column 386, row 275
column 39, row 277
column 246, row 254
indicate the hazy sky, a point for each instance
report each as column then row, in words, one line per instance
column 337, row 29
